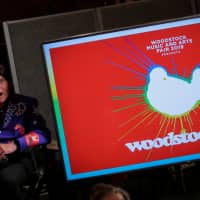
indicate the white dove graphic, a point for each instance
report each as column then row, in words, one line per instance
column 170, row 94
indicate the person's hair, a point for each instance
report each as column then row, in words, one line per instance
column 5, row 72
column 101, row 190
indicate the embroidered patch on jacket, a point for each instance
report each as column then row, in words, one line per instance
column 32, row 139
column 20, row 129
column 20, row 109
column 9, row 113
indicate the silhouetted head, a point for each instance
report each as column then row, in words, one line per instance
column 102, row 191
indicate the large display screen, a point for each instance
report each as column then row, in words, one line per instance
column 127, row 99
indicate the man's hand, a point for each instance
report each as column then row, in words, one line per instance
column 7, row 149
column 2, row 154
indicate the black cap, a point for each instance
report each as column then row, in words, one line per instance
column 5, row 72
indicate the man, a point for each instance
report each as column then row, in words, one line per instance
column 21, row 128
column 105, row 191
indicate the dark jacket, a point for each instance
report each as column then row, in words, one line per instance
column 23, row 124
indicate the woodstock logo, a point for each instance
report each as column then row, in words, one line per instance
column 170, row 94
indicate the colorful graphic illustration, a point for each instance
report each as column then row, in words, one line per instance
column 172, row 96
column 131, row 97
column 163, row 92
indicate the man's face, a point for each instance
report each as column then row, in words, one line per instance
column 4, row 89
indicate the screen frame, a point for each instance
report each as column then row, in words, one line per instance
column 100, row 35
